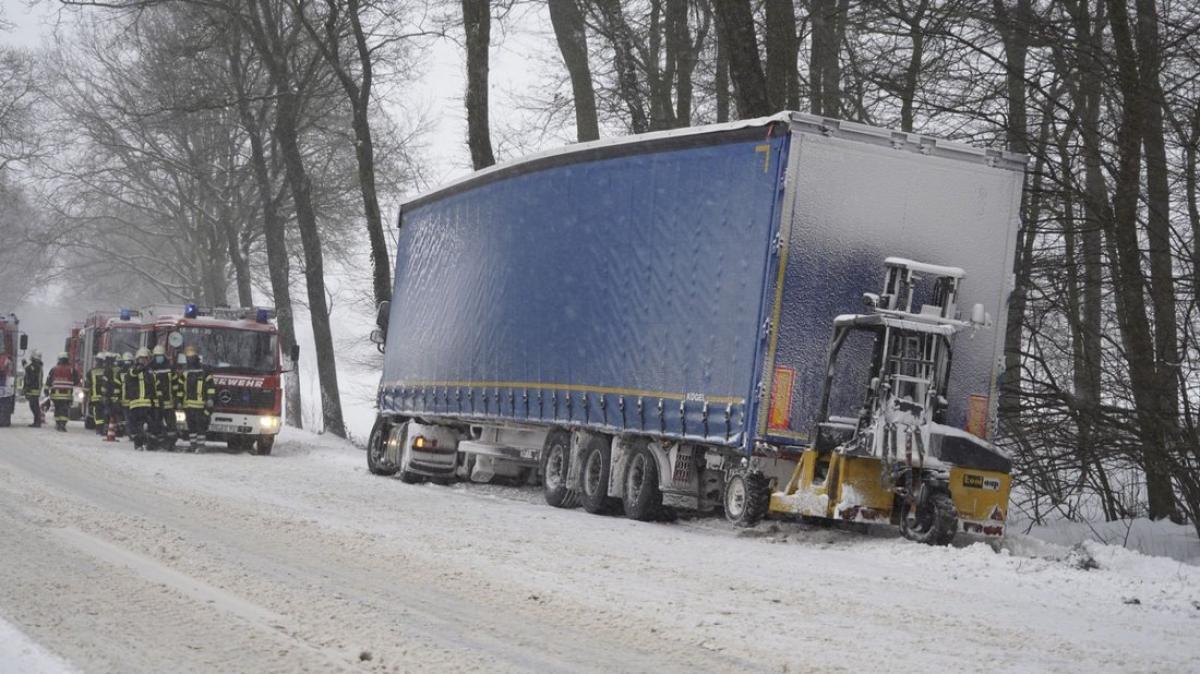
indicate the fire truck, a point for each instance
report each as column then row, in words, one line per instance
column 241, row 348
column 114, row 331
column 12, row 342
column 74, row 350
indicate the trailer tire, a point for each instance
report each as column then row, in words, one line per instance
column 643, row 498
column 594, row 476
column 936, row 519
column 746, row 498
column 556, row 464
column 375, row 449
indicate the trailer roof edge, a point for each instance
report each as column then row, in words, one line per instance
column 921, row 143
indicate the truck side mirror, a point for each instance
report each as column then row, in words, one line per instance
column 24, row 343
column 381, row 316
column 378, row 339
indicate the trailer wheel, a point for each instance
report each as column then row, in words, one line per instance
column 643, row 499
column 597, row 468
column 556, row 462
column 375, row 449
column 746, row 498
column 935, row 521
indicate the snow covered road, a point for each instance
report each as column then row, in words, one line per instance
column 117, row 561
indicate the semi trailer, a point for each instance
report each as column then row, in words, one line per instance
column 791, row 315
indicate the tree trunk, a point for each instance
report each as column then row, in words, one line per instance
column 782, row 45
column 912, row 74
column 1139, row 343
column 831, row 64
column 722, row 79
column 625, row 63
column 274, row 238
column 241, row 266
column 477, row 22
column 735, row 21
column 1013, row 26
column 571, row 34
column 276, row 56
column 682, row 57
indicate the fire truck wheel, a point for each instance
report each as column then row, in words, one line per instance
column 747, row 497
column 643, row 498
column 264, row 445
column 375, row 449
column 556, row 464
column 935, row 521
column 596, row 469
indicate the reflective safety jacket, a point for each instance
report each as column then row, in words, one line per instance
column 137, row 389
column 33, row 379
column 62, row 381
column 96, row 385
column 165, row 386
column 196, row 388
column 114, row 383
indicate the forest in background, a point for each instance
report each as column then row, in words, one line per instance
column 222, row 150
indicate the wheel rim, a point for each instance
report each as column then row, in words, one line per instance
column 591, row 473
column 637, row 477
column 405, row 449
column 376, row 447
column 554, row 467
column 735, row 497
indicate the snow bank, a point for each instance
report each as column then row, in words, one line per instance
column 1159, row 539
column 20, row 655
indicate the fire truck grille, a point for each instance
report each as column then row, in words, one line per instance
column 242, row 397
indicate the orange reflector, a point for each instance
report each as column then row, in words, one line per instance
column 780, row 414
column 977, row 415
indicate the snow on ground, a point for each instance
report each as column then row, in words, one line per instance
column 20, row 655
column 1160, row 539
column 302, row 561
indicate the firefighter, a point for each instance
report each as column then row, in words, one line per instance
column 33, row 387
column 115, row 416
column 60, row 386
column 95, row 387
column 124, row 366
column 138, row 396
column 163, row 429
column 196, row 394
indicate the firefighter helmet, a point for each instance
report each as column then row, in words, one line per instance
column 64, row 356
column 190, row 351
column 160, row 350
column 127, row 357
column 143, row 353
column 35, row 355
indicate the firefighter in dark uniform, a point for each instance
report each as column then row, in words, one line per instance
column 196, row 394
column 121, row 411
column 60, row 386
column 137, row 393
column 95, row 387
column 165, row 387
column 115, row 415
column 32, row 387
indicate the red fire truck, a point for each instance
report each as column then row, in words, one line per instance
column 74, row 350
column 12, row 342
column 241, row 348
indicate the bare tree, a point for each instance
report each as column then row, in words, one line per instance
column 477, row 23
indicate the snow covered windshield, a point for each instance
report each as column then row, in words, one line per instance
column 124, row 340
column 232, row 349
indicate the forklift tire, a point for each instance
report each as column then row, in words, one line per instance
column 746, row 498
column 556, row 465
column 935, row 522
column 594, row 476
column 375, row 450
column 643, row 498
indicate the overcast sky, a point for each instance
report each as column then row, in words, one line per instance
column 520, row 48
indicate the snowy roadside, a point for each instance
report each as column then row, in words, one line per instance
column 306, row 553
column 20, row 655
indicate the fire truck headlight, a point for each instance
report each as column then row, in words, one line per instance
column 79, row 397
column 269, row 423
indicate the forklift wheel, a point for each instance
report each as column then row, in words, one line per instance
column 747, row 496
column 935, row 521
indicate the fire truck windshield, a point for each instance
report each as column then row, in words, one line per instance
column 124, row 340
column 232, row 349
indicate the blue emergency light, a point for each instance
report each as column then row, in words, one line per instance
column 190, row 311
column 263, row 315
column 126, row 314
